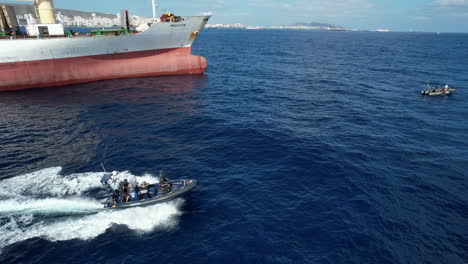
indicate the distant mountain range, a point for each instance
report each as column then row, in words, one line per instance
column 307, row 26
column 320, row 25
column 314, row 24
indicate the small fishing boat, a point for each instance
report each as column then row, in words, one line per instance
column 126, row 195
column 436, row 91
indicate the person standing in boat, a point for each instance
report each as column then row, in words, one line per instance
column 164, row 184
column 123, row 188
column 126, row 190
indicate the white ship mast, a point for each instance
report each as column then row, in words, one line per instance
column 154, row 9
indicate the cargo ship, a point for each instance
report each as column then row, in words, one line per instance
column 48, row 56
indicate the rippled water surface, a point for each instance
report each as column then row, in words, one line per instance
column 309, row 147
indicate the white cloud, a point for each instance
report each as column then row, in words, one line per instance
column 450, row 2
column 449, row 8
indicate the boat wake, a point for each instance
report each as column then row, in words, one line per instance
column 47, row 205
column 49, row 182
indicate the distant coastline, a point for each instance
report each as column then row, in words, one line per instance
column 300, row 27
column 297, row 26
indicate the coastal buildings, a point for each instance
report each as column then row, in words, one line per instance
column 93, row 20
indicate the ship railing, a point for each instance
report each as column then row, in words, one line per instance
column 80, row 35
column 206, row 14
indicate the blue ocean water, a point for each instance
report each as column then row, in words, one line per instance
column 309, row 147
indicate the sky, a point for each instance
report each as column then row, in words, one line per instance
column 395, row 15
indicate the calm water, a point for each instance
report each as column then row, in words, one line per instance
column 309, row 147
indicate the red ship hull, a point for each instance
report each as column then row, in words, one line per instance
column 59, row 72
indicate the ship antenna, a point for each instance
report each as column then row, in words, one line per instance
column 103, row 167
column 154, row 9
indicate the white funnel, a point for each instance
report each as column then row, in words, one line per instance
column 44, row 10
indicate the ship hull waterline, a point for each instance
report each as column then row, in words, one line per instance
column 66, row 71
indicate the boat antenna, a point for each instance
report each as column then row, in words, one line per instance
column 103, row 167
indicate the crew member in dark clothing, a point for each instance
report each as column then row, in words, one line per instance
column 124, row 191
column 115, row 196
column 125, row 184
column 164, row 184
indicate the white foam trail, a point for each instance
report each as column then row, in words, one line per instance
column 49, row 182
column 49, row 205
column 141, row 219
column 21, row 202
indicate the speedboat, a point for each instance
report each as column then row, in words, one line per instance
column 126, row 195
column 436, row 91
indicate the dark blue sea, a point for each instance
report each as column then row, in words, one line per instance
column 309, row 147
